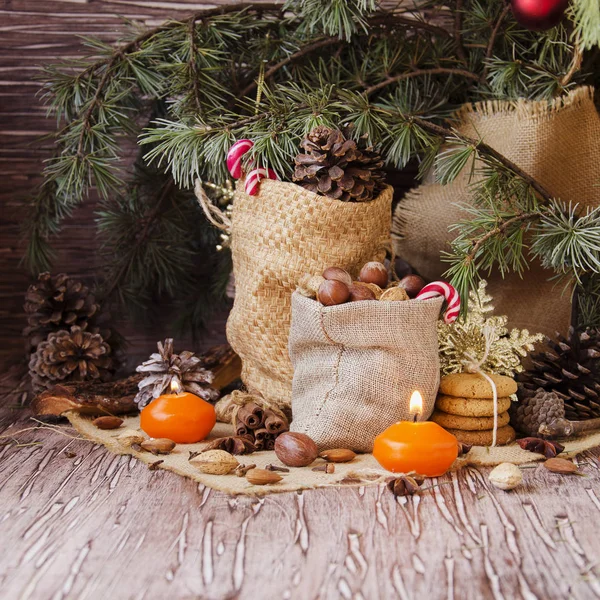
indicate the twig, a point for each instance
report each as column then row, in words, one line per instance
column 490, row 47
column 575, row 66
column 193, row 65
column 489, row 151
column 417, row 73
column 458, row 14
column 322, row 43
column 500, row 229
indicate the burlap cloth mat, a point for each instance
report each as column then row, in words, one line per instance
column 364, row 469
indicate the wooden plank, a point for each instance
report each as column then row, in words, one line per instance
column 97, row 525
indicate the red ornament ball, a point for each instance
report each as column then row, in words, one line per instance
column 539, row 15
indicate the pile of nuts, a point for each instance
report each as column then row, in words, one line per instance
column 335, row 286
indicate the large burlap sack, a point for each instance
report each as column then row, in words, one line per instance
column 357, row 364
column 276, row 237
column 559, row 145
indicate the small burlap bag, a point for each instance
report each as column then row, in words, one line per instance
column 276, row 237
column 357, row 364
column 559, row 145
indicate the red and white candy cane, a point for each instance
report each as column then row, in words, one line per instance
column 253, row 178
column 441, row 288
column 234, row 157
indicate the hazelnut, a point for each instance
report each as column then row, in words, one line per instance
column 413, row 284
column 506, row 476
column 374, row 272
column 215, row 462
column 295, row 449
column 374, row 288
column 333, row 292
column 107, row 422
column 361, row 292
column 337, row 274
column 394, row 293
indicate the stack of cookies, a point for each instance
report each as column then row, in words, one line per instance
column 465, row 408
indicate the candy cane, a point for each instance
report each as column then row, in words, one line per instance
column 253, row 180
column 234, row 157
column 441, row 288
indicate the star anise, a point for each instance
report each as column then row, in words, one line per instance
column 405, row 485
column 546, row 447
column 464, row 448
column 235, row 444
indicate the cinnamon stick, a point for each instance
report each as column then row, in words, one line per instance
column 251, row 415
column 274, row 423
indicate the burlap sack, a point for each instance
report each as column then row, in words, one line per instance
column 276, row 237
column 559, row 145
column 357, row 364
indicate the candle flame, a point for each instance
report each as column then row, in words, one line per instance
column 416, row 404
column 175, row 386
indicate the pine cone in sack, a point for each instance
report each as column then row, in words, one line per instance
column 55, row 303
column 336, row 167
column 534, row 410
column 184, row 370
column 74, row 355
column 569, row 367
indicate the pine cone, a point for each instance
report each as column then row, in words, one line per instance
column 74, row 355
column 336, row 167
column 55, row 303
column 164, row 367
column 569, row 367
column 532, row 411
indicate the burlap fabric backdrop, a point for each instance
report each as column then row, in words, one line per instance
column 276, row 237
column 356, row 366
column 559, row 145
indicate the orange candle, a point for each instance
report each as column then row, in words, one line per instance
column 424, row 448
column 180, row 416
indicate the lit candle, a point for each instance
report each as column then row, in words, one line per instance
column 424, row 448
column 179, row 416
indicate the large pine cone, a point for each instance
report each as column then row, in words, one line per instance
column 58, row 302
column 74, row 355
column 569, row 367
column 167, row 370
column 541, row 408
column 336, row 167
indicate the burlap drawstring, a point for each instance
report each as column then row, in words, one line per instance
column 228, row 406
column 213, row 213
column 472, row 365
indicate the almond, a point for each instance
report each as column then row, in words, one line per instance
column 262, row 477
column 158, row 445
column 561, row 465
column 338, row 455
column 107, row 422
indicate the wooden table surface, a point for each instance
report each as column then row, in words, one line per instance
column 77, row 522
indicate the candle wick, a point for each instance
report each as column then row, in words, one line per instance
column 415, row 417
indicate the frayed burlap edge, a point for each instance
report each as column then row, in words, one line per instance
column 362, row 471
